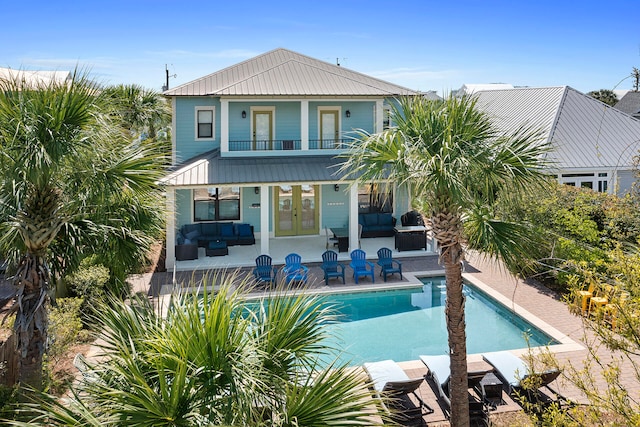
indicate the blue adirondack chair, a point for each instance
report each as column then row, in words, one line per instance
column 388, row 264
column 331, row 267
column 264, row 272
column 360, row 265
column 293, row 269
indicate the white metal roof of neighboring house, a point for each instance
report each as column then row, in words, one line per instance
column 211, row 169
column 585, row 132
column 282, row 72
column 34, row 77
column 473, row 88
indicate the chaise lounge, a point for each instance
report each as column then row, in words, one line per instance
column 390, row 381
column 515, row 372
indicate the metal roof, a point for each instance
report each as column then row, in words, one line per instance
column 211, row 169
column 585, row 133
column 282, row 72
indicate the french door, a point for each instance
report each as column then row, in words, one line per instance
column 262, row 129
column 296, row 210
column 329, row 128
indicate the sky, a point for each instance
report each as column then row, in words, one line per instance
column 421, row 44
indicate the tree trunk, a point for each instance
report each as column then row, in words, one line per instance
column 30, row 327
column 454, row 311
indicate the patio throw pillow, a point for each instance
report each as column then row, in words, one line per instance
column 226, row 230
column 192, row 235
column 244, row 230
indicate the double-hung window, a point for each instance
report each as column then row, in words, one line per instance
column 216, row 204
column 205, row 124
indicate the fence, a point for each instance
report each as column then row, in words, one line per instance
column 8, row 361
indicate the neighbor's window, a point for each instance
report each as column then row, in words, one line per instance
column 216, row 204
column 204, row 123
column 375, row 198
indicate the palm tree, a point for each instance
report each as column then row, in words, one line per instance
column 214, row 359
column 454, row 164
column 141, row 111
column 71, row 184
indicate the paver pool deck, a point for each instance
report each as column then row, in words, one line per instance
column 532, row 297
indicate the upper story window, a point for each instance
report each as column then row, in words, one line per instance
column 216, row 204
column 205, row 124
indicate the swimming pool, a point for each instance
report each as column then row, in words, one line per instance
column 402, row 324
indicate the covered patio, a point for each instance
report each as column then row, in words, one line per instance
column 309, row 247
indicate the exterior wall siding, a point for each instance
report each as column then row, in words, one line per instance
column 335, row 206
column 250, row 209
column 362, row 116
column 184, row 203
column 626, row 179
column 186, row 144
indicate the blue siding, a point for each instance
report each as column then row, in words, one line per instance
column 250, row 207
column 186, row 144
column 362, row 116
column 335, row 206
column 184, row 205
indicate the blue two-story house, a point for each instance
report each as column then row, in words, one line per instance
column 256, row 144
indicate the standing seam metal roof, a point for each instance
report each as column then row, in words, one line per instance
column 211, row 169
column 584, row 132
column 282, row 72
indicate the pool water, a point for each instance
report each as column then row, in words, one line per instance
column 405, row 323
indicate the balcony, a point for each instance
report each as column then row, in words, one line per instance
column 288, row 145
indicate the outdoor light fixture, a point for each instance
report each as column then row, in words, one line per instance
column 256, row 189
column 244, row 114
column 348, row 113
column 336, row 187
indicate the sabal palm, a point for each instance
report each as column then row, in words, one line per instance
column 454, row 164
column 213, row 360
column 71, row 184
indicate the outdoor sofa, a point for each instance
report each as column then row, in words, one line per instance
column 377, row 224
column 204, row 232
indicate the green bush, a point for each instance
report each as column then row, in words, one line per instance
column 89, row 282
column 64, row 326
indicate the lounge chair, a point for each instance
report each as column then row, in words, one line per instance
column 293, row 269
column 331, row 267
column 387, row 264
column 389, row 380
column 515, row 372
column 265, row 273
column 360, row 265
column 439, row 371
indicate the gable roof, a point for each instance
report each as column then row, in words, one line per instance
column 585, row 133
column 282, row 72
column 630, row 103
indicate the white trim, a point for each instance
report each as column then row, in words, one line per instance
column 224, row 126
column 173, row 132
column 197, row 109
column 170, row 206
column 304, row 125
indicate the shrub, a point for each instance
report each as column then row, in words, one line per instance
column 89, row 283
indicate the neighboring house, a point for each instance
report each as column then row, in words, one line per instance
column 35, row 78
column 593, row 143
column 256, row 143
column 468, row 89
column 630, row 104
